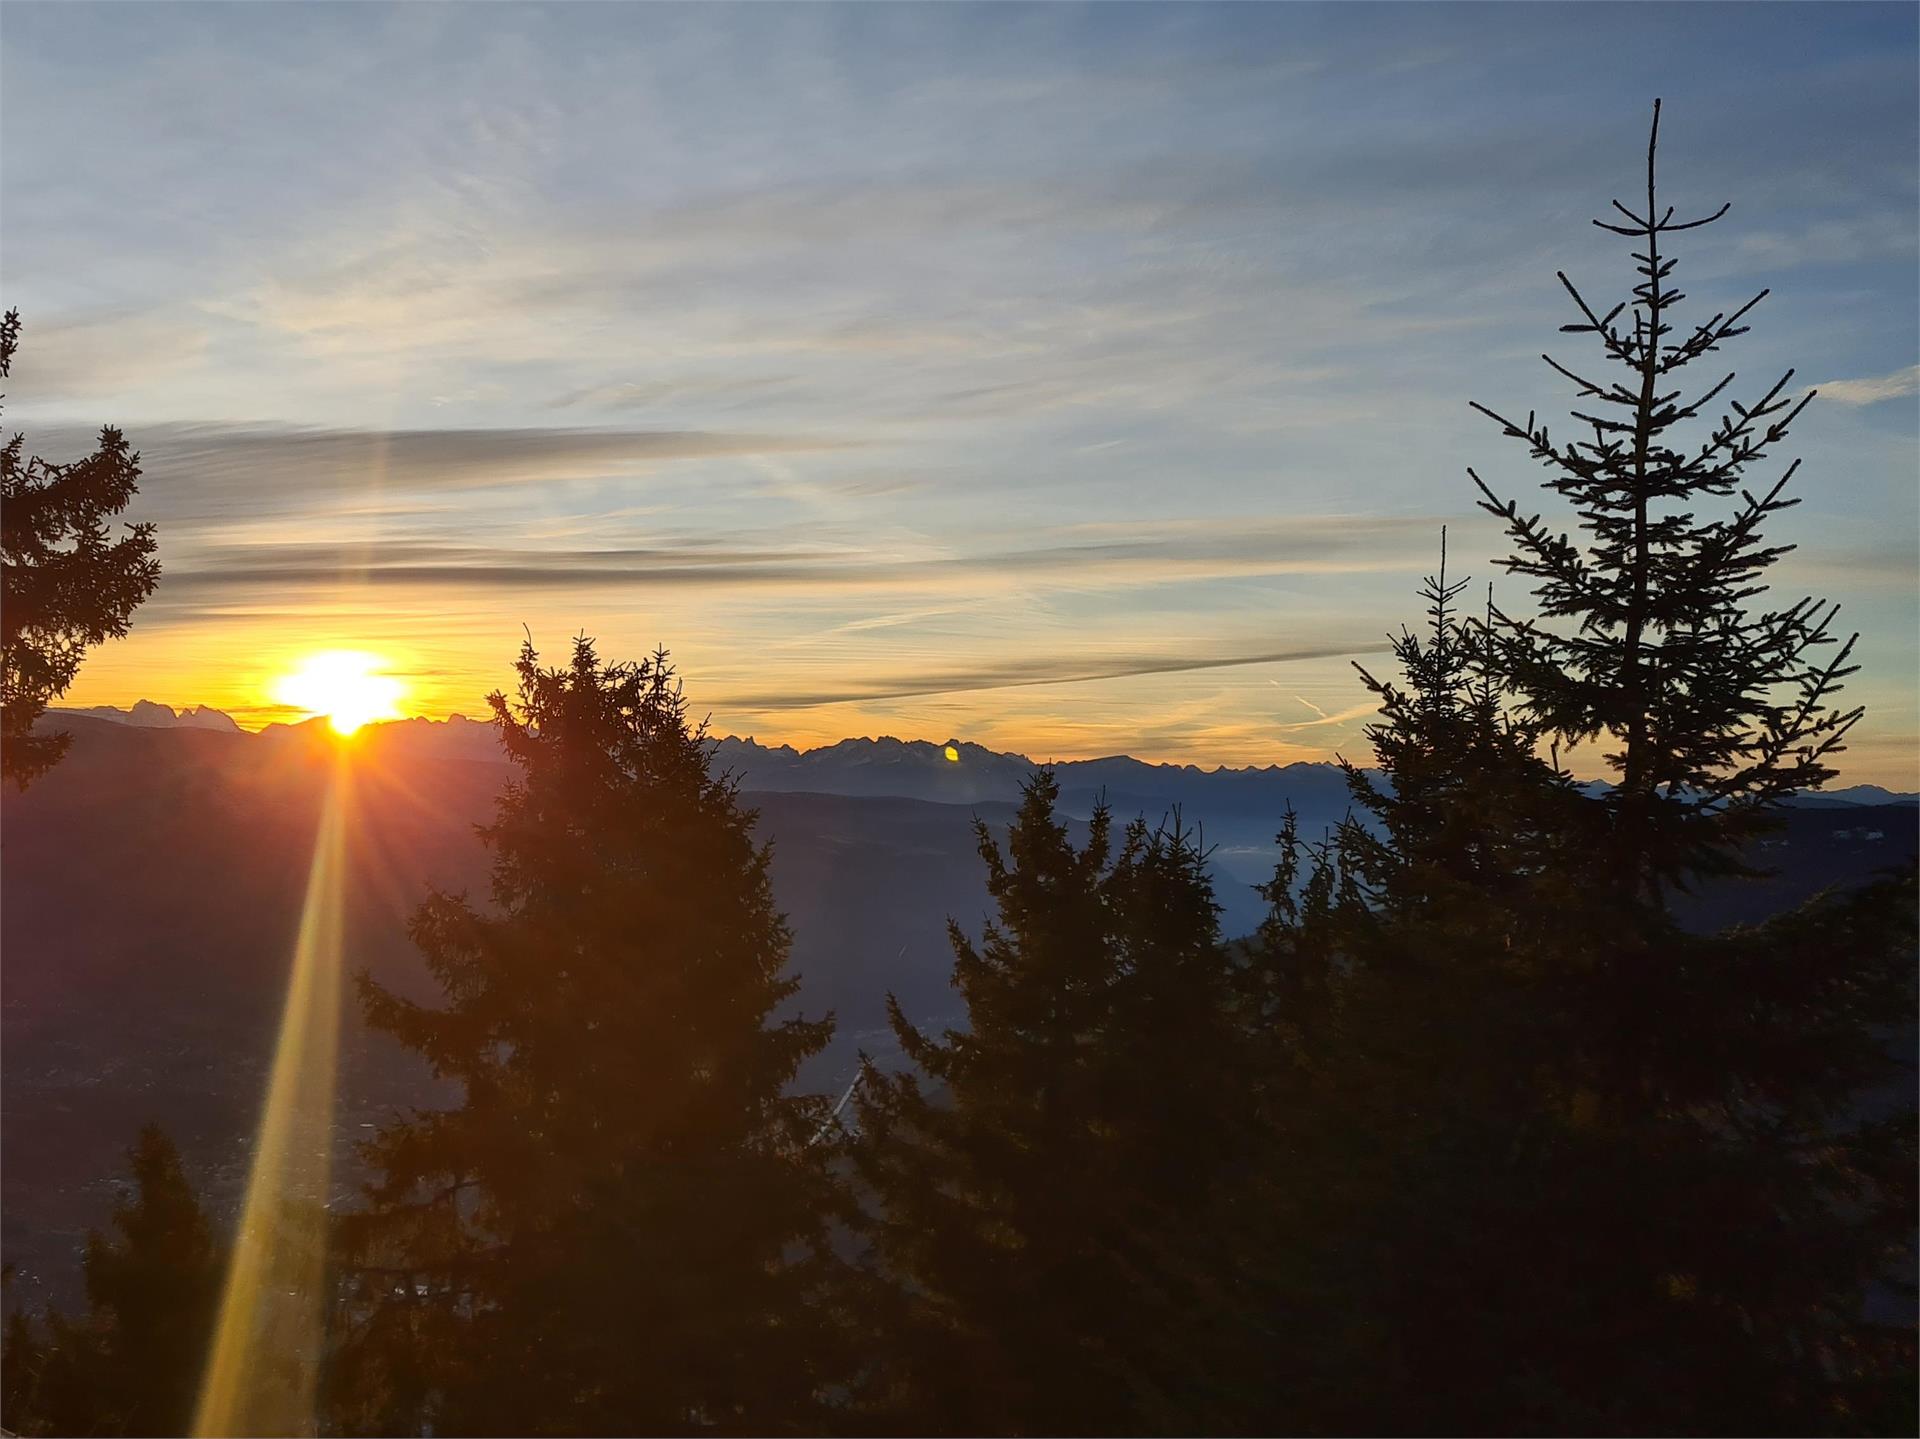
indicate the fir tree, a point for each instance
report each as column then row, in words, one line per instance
column 133, row 1364
column 622, row 1228
column 68, row 584
column 1042, row 1184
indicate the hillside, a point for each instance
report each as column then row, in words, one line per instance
column 153, row 884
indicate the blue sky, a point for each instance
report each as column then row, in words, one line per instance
column 1073, row 380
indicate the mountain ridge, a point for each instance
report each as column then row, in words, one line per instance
column 148, row 714
column 953, row 771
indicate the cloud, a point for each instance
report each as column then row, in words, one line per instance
column 1094, row 554
column 104, row 352
column 1871, row 391
column 1875, row 236
column 1031, row 670
column 658, row 394
column 215, row 470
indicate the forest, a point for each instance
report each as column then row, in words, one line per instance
column 1471, row 1135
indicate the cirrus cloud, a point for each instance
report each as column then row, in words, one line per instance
column 1873, row 389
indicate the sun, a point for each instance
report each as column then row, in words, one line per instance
column 349, row 687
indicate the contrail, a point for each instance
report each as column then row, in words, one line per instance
column 1358, row 711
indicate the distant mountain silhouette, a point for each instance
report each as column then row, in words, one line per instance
column 147, row 715
column 952, row 772
column 1237, row 806
column 1854, row 794
column 453, row 738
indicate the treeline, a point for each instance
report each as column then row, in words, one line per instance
column 1471, row 1137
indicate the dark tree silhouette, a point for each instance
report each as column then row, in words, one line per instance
column 1044, row 1186
column 68, row 584
column 133, row 1364
column 623, row 1227
column 1646, row 637
column 1618, row 1175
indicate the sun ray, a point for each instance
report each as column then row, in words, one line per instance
column 264, row 1364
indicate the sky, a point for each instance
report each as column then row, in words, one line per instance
column 1069, row 380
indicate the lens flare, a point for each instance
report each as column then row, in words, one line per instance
column 349, row 687
column 262, row 1373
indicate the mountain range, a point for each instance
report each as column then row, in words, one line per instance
column 951, row 772
column 147, row 715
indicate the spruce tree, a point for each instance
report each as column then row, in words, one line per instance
column 132, row 1365
column 1618, row 1175
column 1647, row 640
column 622, row 1228
column 23, row 1358
column 1751, row 1052
column 1469, row 810
column 1042, row 1185
column 1420, row 1001
column 68, row 584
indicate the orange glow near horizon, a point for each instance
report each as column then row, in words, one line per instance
column 350, row 687
column 1238, row 718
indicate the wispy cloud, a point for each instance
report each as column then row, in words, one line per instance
column 1872, row 390
column 667, row 392
column 1111, row 554
column 99, row 353
column 1028, row 671
column 204, row 471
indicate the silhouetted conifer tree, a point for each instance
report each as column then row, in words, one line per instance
column 1655, row 637
column 622, row 1228
column 133, row 1364
column 1418, row 1001
column 1647, row 639
column 68, row 584
column 1044, row 1183
column 1618, row 1176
